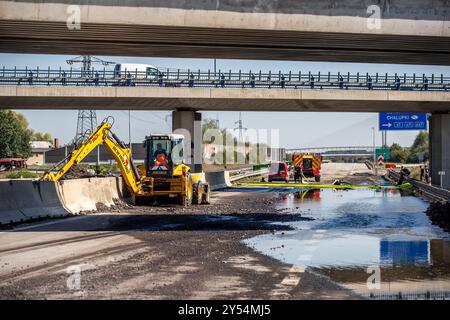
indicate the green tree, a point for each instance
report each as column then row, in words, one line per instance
column 419, row 146
column 14, row 135
column 208, row 124
column 398, row 153
column 39, row 136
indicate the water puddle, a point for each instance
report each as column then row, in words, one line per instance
column 379, row 243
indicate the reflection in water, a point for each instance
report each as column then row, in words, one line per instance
column 357, row 229
column 404, row 252
column 292, row 199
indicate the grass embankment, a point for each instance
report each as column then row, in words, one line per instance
column 21, row 174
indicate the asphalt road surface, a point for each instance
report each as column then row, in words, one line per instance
column 157, row 253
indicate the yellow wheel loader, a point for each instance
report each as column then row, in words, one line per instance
column 163, row 174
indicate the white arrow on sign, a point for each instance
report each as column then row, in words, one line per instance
column 387, row 125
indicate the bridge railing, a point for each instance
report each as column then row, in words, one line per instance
column 225, row 79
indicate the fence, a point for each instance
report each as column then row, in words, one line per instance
column 224, row 79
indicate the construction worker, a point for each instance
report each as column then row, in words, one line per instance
column 397, row 83
column 252, row 80
column 425, row 83
column 63, row 79
column 161, row 79
column 283, row 82
column 191, row 80
column 369, row 83
column 128, row 83
column 160, row 156
column 402, row 177
column 298, row 174
column 159, row 150
column 30, row 78
column 427, row 174
column 222, row 80
column 97, row 77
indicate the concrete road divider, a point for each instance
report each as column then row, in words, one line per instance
column 85, row 194
column 22, row 200
column 218, row 180
column 25, row 199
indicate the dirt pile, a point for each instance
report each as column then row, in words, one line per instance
column 439, row 214
column 77, row 171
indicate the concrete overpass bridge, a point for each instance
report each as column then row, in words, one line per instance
column 224, row 99
column 206, row 90
column 336, row 152
column 408, row 31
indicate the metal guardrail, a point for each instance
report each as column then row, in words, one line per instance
column 368, row 149
column 248, row 174
column 221, row 79
column 429, row 190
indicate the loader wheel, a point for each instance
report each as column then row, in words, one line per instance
column 185, row 201
column 206, row 194
column 317, row 178
column 197, row 193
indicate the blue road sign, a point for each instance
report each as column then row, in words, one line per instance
column 402, row 121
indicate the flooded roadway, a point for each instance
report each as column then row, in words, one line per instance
column 379, row 243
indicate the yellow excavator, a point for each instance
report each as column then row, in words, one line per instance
column 163, row 174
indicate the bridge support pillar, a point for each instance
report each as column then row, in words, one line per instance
column 189, row 123
column 440, row 149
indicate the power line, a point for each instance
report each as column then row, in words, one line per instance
column 87, row 119
column 240, row 127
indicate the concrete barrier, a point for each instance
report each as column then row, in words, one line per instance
column 85, row 194
column 218, row 180
column 22, row 200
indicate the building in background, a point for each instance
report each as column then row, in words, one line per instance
column 38, row 149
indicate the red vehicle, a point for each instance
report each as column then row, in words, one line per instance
column 279, row 171
column 10, row 164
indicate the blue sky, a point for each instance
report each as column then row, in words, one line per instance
column 299, row 129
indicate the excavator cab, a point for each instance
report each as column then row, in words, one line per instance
column 164, row 154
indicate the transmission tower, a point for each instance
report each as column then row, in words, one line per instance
column 217, row 121
column 86, row 124
column 240, row 127
column 87, row 119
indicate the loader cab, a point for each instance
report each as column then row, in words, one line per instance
column 164, row 154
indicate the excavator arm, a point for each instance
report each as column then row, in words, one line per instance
column 122, row 155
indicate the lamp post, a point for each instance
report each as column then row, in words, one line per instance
column 374, row 151
column 129, row 130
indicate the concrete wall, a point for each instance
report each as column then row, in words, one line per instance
column 440, row 148
column 22, row 200
column 189, row 124
column 56, row 155
column 218, row 180
column 85, row 194
column 36, row 159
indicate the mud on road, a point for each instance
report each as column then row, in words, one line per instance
column 158, row 253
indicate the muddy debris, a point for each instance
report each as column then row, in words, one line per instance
column 76, row 172
column 439, row 214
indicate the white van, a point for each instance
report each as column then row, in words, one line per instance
column 136, row 70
